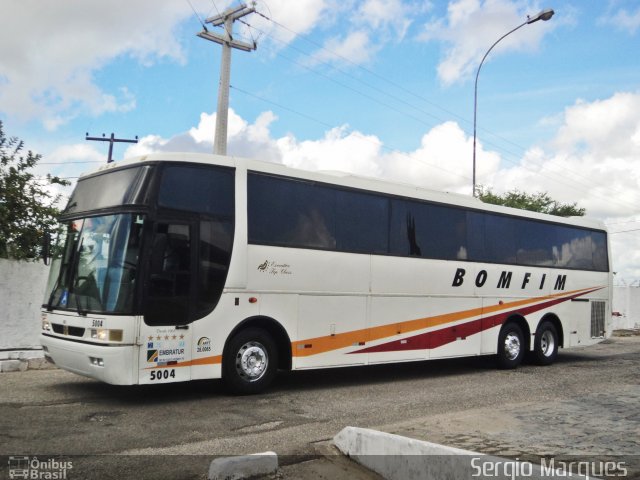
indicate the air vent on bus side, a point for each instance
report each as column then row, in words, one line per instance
column 597, row 319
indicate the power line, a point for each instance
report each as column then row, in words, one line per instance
column 381, row 145
column 196, row 14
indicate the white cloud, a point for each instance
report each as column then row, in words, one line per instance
column 391, row 15
column 243, row 139
column 372, row 24
column 294, row 18
column 49, row 52
column 470, row 27
column 606, row 128
column 623, row 19
column 355, row 47
column 442, row 162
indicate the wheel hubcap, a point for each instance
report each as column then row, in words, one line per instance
column 547, row 343
column 252, row 361
column 512, row 346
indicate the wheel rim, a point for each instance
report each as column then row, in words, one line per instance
column 547, row 343
column 512, row 346
column 252, row 361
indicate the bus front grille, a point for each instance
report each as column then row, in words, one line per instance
column 67, row 330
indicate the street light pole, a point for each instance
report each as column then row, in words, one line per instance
column 543, row 15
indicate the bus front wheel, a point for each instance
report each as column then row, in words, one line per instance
column 250, row 362
column 545, row 349
column 511, row 346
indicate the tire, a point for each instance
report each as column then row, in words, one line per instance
column 511, row 346
column 545, row 348
column 249, row 362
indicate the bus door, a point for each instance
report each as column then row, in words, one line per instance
column 166, row 331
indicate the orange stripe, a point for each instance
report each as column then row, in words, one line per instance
column 214, row 360
column 341, row 340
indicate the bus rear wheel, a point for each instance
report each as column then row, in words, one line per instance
column 545, row 349
column 511, row 346
column 250, row 362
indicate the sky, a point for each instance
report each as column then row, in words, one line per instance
column 381, row 88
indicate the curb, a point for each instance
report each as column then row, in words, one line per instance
column 22, row 360
column 244, row 466
column 395, row 457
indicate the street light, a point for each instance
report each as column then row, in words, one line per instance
column 543, row 15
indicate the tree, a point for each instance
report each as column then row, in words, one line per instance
column 28, row 208
column 536, row 202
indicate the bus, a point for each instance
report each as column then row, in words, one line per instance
column 177, row 267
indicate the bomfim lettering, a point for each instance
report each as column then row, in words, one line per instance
column 506, row 278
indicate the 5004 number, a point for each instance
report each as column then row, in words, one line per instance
column 163, row 374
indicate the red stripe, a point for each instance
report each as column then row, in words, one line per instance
column 438, row 338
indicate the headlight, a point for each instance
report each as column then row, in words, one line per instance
column 46, row 326
column 104, row 334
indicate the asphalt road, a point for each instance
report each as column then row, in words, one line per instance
column 174, row 430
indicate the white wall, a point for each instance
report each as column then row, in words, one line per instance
column 22, row 287
column 626, row 301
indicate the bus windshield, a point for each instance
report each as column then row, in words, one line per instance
column 95, row 265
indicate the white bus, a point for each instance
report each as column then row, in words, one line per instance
column 177, row 267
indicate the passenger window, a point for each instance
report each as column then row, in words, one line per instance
column 362, row 222
column 574, row 249
column 291, row 213
column 535, row 243
column 430, row 231
column 500, row 242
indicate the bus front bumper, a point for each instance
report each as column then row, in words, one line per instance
column 116, row 365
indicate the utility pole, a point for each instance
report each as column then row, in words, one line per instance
column 111, row 141
column 226, row 19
